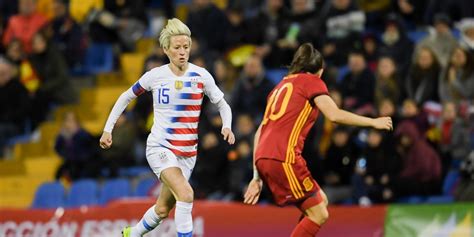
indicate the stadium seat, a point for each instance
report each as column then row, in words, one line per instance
column 417, row 35
column 276, row 75
column 135, row 171
column 411, row 199
column 49, row 195
column 439, row 199
column 83, row 192
column 341, row 73
column 99, row 58
column 144, row 186
column 450, row 181
column 114, row 189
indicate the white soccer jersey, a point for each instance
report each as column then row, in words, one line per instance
column 177, row 105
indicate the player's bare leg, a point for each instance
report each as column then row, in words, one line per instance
column 315, row 216
column 184, row 195
column 154, row 216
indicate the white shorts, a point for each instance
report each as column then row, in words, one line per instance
column 161, row 158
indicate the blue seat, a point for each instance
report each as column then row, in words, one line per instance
column 99, row 58
column 83, row 192
column 341, row 73
column 451, row 179
column 144, row 186
column 135, row 171
column 114, row 189
column 411, row 199
column 49, row 195
column 417, row 35
column 276, row 75
column 440, row 199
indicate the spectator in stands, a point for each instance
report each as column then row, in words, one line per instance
column 24, row 25
column 203, row 20
column 266, row 28
column 55, row 86
column 67, row 34
column 455, row 140
column 14, row 52
column 465, row 189
column 77, row 149
column 376, row 170
column 411, row 11
column 122, row 154
column 82, row 11
column 421, row 84
column 120, row 21
column 8, row 8
column 298, row 25
column 358, row 86
column 441, row 42
column 237, row 29
column 411, row 112
column 370, row 45
column 375, row 12
column 457, row 9
column 394, row 39
column 339, row 166
column 240, row 158
column 387, row 84
column 324, row 135
column 14, row 104
column 466, row 26
column 301, row 24
column 251, row 90
column 457, row 80
column 210, row 175
column 225, row 76
column 341, row 25
column 421, row 170
column 387, row 108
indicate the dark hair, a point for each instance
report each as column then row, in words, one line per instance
column 306, row 59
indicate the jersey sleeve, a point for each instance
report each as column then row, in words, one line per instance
column 143, row 84
column 210, row 88
column 314, row 87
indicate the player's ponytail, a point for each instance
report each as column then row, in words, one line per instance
column 306, row 59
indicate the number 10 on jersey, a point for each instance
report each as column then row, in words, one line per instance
column 270, row 111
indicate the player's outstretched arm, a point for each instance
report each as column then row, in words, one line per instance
column 226, row 116
column 105, row 140
column 334, row 114
column 255, row 186
column 120, row 105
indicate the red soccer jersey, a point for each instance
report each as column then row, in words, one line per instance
column 289, row 115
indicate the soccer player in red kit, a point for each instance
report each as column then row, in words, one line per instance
column 292, row 108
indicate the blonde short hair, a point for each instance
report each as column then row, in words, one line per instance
column 174, row 27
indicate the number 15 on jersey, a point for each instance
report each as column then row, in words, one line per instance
column 163, row 96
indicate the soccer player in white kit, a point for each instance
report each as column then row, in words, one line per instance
column 178, row 89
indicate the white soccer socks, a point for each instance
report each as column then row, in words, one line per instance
column 149, row 222
column 184, row 219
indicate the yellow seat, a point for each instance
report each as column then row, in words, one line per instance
column 80, row 8
column 146, row 45
column 19, row 191
column 132, row 66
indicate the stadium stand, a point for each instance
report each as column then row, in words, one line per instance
column 83, row 192
column 144, row 187
column 49, row 195
column 114, row 189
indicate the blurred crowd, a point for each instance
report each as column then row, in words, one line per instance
column 412, row 60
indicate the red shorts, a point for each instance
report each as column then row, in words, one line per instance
column 290, row 183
